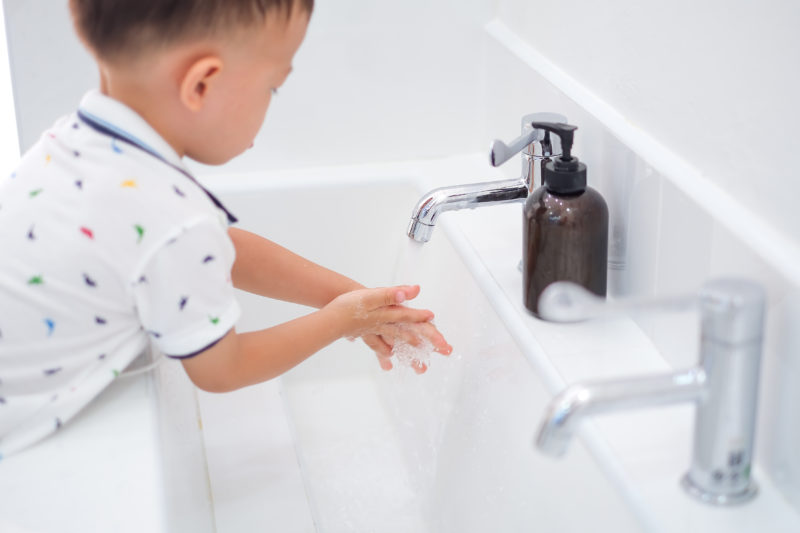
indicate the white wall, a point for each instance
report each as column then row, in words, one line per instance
column 716, row 81
column 372, row 82
column 375, row 81
column 51, row 71
column 9, row 141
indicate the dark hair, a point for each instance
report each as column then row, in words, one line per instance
column 120, row 28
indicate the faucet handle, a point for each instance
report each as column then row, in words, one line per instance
column 501, row 152
column 732, row 309
column 565, row 301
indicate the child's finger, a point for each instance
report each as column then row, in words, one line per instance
column 406, row 292
column 378, row 345
column 418, row 366
column 429, row 331
column 385, row 362
column 397, row 332
column 383, row 350
column 386, row 296
column 402, row 314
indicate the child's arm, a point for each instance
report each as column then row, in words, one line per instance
column 242, row 359
column 268, row 269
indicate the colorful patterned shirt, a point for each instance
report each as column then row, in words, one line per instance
column 106, row 245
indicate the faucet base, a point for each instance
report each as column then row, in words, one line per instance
column 719, row 499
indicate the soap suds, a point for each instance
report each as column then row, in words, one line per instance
column 412, row 356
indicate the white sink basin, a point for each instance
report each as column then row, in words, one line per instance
column 367, row 450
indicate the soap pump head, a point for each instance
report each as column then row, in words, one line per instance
column 565, row 174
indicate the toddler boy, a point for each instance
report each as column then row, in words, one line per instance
column 109, row 244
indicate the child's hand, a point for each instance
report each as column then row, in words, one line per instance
column 378, row 317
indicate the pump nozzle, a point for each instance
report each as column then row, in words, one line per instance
column 566, row 173
column 564, row 131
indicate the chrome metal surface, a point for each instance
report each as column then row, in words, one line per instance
column 437, row 201
column 500, row 152
column 580, row 400
column 534, row 151
column 565, row 301
column 724, row 385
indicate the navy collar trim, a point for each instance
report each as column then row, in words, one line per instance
column 109, row 129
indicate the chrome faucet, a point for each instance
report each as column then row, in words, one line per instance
column 535, row 145
column 724, row 386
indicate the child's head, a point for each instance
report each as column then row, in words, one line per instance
column 123, row 29
column 200, row 71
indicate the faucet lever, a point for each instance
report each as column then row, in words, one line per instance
column 501, row 152
column 565, row 301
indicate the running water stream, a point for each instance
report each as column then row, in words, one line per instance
column 409, row 263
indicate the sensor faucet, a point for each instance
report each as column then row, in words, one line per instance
column 535, row 145
column 724, row 386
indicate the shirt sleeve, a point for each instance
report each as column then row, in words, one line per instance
column 184, row 293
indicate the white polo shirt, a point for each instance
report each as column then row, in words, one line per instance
column 106, row 244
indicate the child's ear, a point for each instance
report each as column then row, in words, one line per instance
column 198, row 80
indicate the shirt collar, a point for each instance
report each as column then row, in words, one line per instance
column 126, row 122
column 118, row 120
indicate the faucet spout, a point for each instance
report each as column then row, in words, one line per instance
column 437, row 201
column 581, row 400
column 535, row 147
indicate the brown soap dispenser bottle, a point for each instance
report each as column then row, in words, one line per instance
column 565, row 226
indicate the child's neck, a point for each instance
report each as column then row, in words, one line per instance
column 144, row 95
